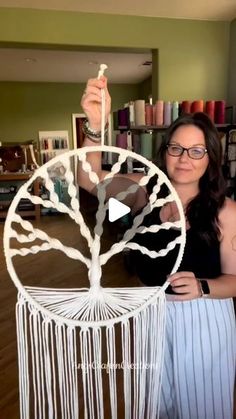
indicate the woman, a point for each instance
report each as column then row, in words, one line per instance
column 199, row 367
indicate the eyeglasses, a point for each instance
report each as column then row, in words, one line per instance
column 176, row 150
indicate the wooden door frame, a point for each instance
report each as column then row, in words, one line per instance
column 74, row 133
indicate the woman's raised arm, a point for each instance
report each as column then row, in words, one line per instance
column 92, row 105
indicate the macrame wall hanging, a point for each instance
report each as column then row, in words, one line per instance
column 89, row 352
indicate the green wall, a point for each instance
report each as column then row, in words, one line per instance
column 232, row 65
column 193, row 55
column 26, row 108
column 145, row 89
column 191, row 62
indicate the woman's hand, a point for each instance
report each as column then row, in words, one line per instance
column 91, row 102
column 185, row 285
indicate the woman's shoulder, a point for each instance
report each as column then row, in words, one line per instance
column 227, row 214
column 229, row 205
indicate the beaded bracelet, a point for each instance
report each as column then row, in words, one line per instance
column 93, row 135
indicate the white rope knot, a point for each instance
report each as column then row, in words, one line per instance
column 103, row 67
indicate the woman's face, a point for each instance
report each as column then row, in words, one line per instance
column 184, row 169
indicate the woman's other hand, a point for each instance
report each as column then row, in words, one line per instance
column 92, row 100
column 185, row 285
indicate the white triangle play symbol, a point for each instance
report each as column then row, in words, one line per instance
column 116, row 209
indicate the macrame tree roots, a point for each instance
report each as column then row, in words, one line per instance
column 89, row 352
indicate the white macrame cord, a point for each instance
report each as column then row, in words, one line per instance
column 103, row 67
column 58, row 329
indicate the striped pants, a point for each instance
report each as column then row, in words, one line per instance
column 199, row 365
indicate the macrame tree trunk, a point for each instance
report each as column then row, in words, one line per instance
column 90, row 352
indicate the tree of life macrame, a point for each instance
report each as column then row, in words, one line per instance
column 56, row 327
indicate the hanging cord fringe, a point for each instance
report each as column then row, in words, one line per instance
column 23, row 356
column 53, row 357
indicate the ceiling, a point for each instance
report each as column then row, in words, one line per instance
column 37, row 65
column 78, row 66
column 200, row 9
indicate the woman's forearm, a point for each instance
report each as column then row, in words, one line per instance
column 222, row 287
column 92, row 106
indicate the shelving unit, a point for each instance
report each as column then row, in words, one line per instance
column 52, row 144
column 230, row 160
column 142, row 128
column 229, row 168
column 147, row 128
column 9, row 185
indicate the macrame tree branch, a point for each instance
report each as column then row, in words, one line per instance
column 98, row 301
column 49, row 243
column 56, row 327
column 53, row 201
column 154, row 202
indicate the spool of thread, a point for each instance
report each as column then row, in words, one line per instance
column 159, row 112
column 185, row 107
column 210, row 109
column 232, row 136
column 123, row 117
column 121, row 140
column 136, row 140
column 220, row 111
column 146, row 145
column 129, row 141
column 154, row 114
column 167, row 113
column 232, row 169
column 131, row 114
column 129, row 160
column 197, row 106
column 148, row 114
column 139, row 112
column 115, row 120
column 175, row 111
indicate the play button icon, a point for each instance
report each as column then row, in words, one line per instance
column 116, row 209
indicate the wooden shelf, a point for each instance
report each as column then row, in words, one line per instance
column 8, row 176
column 142, row 128
column 157, row 127
column 20, row 177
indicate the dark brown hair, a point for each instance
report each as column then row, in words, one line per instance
column 202, row 212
